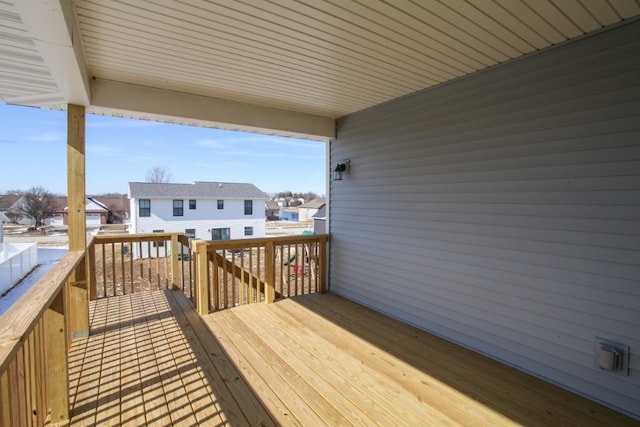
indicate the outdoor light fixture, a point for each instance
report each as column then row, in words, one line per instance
column 341, row 168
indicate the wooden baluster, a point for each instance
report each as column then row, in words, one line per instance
column 113, row 271
column 234, row 281
column 104, row 270
column 217, row 288
column 130, row 254
column 174, row 261
column 259, row 262
column 242, row 294
column 5, row 399
column 42, row 406
column 252, row 290
column 123, row 269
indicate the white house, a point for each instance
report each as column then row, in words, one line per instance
column 96, row 213
column 202, row 210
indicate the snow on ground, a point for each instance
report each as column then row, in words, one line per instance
column 47, row 258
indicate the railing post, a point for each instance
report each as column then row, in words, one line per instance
column 78, row 303
column 323, row 264
column 57, row 380
column 92, row 281
column 202, row 280
column 174, row 261
column 270, row 272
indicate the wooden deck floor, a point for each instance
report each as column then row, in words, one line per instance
column 311, row 360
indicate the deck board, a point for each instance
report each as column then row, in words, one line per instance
column 144, row 364
column 316, row 359
column 375, row 370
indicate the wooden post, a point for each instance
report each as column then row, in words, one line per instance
column 57, row 372
column 323, row 264
column 78, row 295
column 270, row 273
column 202, row 279
column 92, row 282
column 174, row 261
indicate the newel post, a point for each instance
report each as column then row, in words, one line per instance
column 270, row 273
column 323, row 253
column 91, row 271
column 201, row 284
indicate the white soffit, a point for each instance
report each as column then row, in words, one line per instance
column 314, row 58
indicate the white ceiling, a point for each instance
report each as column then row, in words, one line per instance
column 297, row 64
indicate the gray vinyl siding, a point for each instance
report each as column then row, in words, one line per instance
column 502, row 211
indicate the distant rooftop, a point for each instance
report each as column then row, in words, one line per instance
column 314, row 204
column 198, row 189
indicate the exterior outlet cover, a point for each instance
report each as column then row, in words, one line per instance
column 612, row 357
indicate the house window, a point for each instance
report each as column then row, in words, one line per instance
column 221, row 234
column 248, row 231
column 190, row 233
column 178, row 207
column 220, row 204
column 248, row 207
column 160, row 243
column 144, row 207
column 192, row 204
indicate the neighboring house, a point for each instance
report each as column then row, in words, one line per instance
column 59, row 214
column 307, row 210
column 289, row 214
column 95, row 211
column 272, row 210
column 118, row 205
column 320, row 221
column 202, row 210
column 9, row 204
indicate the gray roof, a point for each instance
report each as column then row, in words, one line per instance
column 322, row 213
column 8, row 201
column 196, row 190
column 313, row 204
column 272, row 205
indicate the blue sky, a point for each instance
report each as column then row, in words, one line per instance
column 33, row 152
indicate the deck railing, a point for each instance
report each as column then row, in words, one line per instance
column 35, row 335
column 121, row 264
column 246, row 271
column 36, row 331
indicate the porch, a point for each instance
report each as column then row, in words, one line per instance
column 315, row 359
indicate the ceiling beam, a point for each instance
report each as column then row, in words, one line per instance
column 52, row 26
column 144, row 102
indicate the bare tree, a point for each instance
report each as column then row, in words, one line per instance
column 37, row 204
column 159, row 174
